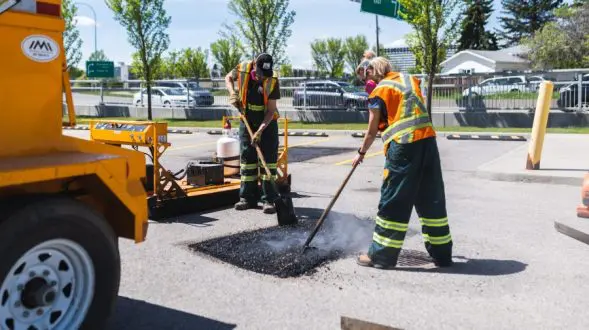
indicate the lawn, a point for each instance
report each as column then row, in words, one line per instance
column 346, row 126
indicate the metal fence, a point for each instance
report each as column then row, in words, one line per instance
column 450, row 93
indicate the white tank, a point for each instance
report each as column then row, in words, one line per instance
column 228, row 152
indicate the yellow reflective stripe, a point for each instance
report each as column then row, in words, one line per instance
column 434, row 222
column 272, row 177
column 249, row 166
column 388, row 224
column 387, row 242
column 249, row 178
column 405, row 125
column 437, row 240
column 254, row 107
column 407, row 131
column 271, row 166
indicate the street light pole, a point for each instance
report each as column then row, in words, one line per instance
column 95, row 23
column 377, row 41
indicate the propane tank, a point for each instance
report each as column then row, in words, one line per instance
column 228, row 151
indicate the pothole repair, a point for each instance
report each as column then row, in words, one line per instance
column 276, row 251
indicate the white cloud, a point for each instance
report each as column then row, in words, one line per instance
column 84, row 21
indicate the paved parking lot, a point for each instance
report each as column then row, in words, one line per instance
column 514, row 271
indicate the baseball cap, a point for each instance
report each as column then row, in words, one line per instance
column 265, row 64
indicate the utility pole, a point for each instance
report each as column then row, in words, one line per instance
column 95, row 23
column 377, row 39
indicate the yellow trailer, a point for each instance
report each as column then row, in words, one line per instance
column 64, row 202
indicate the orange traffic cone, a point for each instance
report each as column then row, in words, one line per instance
column 583, row 209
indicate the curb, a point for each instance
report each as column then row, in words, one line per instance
column 530, row 178
column 486, row 137
column 310, row 134
column 87, row 128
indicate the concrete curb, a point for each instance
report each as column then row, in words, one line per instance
column 87, row 128
column 296, row 133
column 530, row 178
column 486, row 137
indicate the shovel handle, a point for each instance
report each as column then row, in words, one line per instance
column 333, row 200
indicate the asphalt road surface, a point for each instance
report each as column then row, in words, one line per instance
column 513, row 270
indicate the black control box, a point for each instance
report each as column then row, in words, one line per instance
column 202, row 173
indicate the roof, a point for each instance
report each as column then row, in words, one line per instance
column 495, row 56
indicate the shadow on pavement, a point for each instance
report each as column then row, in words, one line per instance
column 131, row 314
column 303, row 154
column 483, row 267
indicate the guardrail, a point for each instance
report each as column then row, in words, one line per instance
column 314, row 94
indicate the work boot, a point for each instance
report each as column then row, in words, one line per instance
column 243, row 205
column 443, row 263
column 269, row 208
column 365, row 261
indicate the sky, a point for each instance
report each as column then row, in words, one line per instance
column 196, row 23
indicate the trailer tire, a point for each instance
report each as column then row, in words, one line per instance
column 70, row 253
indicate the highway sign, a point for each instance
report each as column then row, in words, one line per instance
column 100, row 69
column 388, row 8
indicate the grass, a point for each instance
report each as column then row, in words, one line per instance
column 346, row 126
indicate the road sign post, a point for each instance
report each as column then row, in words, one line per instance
column 388, row 8
column 100, row 69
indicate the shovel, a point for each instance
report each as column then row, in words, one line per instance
column 284, row 207
column 324, row 215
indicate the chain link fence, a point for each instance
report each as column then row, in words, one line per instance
column 450, row 93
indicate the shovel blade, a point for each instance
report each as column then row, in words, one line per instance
column 285, row 211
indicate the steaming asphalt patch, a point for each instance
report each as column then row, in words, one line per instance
column 276, row 251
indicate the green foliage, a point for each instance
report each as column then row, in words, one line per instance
column 263, row 24
column 354, row 49
column 193, row 63
column 564, row 43
column 146, row 22
column 286, row 70
column 473, row 34
column 435, row 27
column 522, row 18
column 228, row 52
column 98, row 55
column 71, row 35
column 329, row 56
column 169, row 68
column 76, row 73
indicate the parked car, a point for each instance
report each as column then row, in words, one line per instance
column 330, row 94
column 201, row 96
column 499, row 85
column 164, row 97
column 569, row 95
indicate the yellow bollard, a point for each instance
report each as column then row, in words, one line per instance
column 539, row 127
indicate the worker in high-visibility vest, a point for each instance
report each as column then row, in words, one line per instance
column 369, row 85
column 412, row 171
column 256, row 100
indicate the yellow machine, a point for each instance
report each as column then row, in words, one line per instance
column 203, row 185
column 64, row 201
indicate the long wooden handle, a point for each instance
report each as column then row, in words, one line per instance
column 260, row 154
column 333, row 200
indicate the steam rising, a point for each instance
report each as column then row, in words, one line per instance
column 343, row 233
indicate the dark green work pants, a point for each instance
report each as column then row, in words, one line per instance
column 413, row 177
column 251, row 166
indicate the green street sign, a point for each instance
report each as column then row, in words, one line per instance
column 388, row 8
column 100, row 69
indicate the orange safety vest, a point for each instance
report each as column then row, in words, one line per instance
column 243, row 77
column 407, row 118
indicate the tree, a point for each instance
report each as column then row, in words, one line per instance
column 71, row 35
column 228, row 52
column 98, row 55
column 329, row 56
column 193, row 63
column 286, row 70
column 263, row 24
column 146, row 22
column 435, row 27
column 169, row 65
column 354, row 50
column 473, row 34
column 522, row 18
column 564, row 43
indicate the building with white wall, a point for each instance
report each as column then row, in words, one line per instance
column 401, row 56
column 480, row 61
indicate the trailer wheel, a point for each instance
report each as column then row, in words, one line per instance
column 60, row 267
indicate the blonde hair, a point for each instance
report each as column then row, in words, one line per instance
column 368, row 55
column 380, row 67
